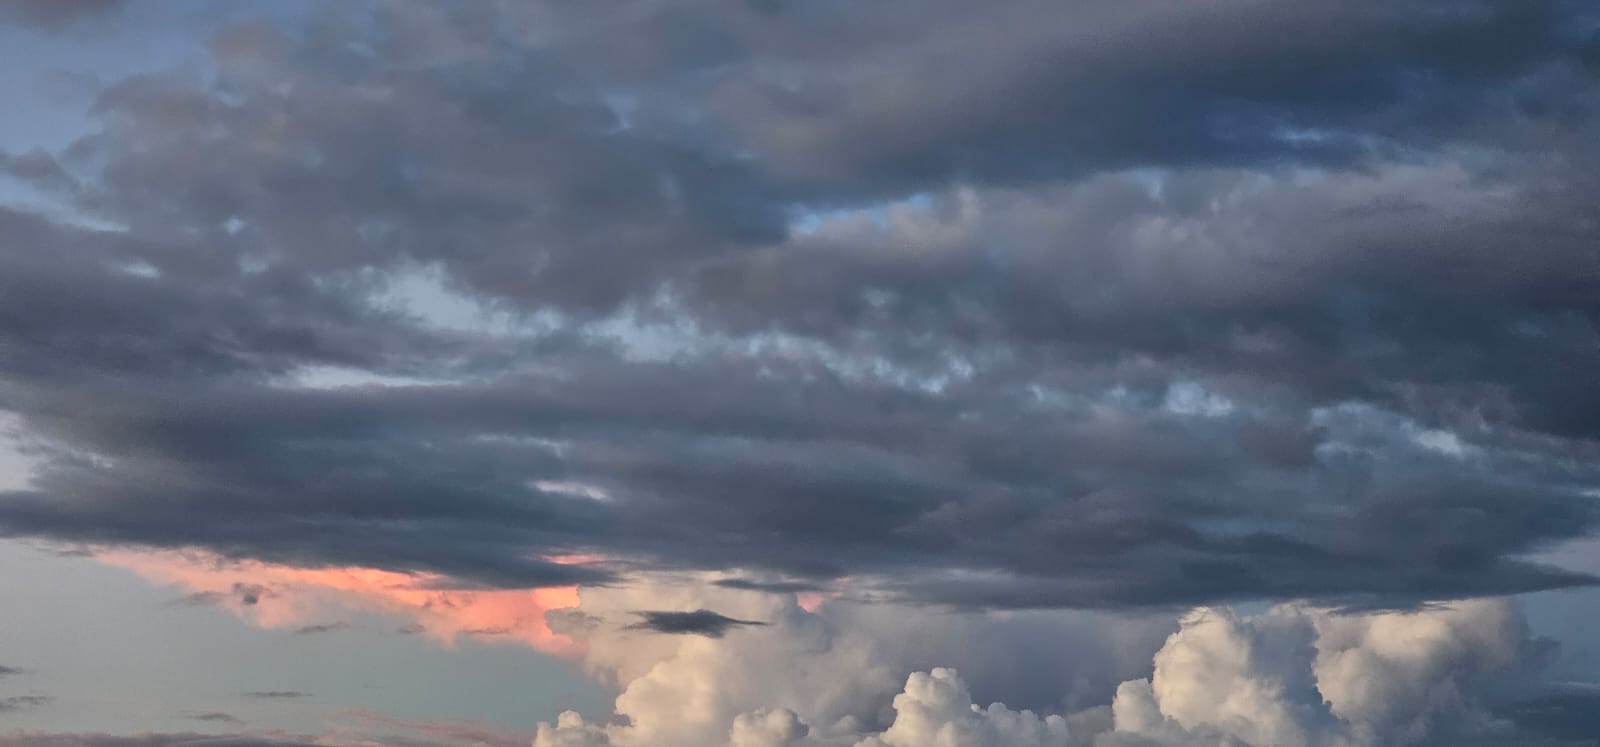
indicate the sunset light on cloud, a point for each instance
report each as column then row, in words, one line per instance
column 282, row 597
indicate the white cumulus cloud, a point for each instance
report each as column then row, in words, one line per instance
column 860, row 675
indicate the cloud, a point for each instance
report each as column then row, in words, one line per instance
column 11, row 671
column 319, row 628
column 22, row 702
column 763, row 728
column 290, row 598
column 389, row 729
column 213, row 716
column 1044, row 306
column 936, row 709
column 699, row 622
column 828, row 676
column 343, row 729
column 856, row 675
column 179, row 739
column 241, row 593
column 569, row 730
column 1557, row 712
column 276, row 694
column 1103, row 86
column 999, row 331
column 1297, row 676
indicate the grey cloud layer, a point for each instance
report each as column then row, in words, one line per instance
column 1048, row 305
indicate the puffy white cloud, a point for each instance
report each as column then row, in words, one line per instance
column 570, row 730
column 1301, row 677
column 857, row 675
column 835, row 674
column 1227, row 680
column 1397, row 675
column 935, row 710
column 763, row 728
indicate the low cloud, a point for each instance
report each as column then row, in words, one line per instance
column 1299, row 676
column 699, row 622
column 307, row 597
column 851, row 675
column 23, row 702
column 213, row 717
column 344, row 729
column 178, row 739
column 247, row 595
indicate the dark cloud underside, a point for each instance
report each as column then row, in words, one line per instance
column 1001, row 305
column 213, row 717
column 699, row 622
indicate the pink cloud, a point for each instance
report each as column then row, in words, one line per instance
column 293, row 597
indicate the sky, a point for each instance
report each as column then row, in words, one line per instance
column 799, row 373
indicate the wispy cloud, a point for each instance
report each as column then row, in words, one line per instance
column 275, row 694
column 21, row 702
column 213, row 717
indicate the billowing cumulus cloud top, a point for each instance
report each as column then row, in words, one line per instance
column 1024, row 304
column 853, row 675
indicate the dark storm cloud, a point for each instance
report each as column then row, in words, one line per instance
column 699, row 622
column 1032, row 89
column 1038, row 304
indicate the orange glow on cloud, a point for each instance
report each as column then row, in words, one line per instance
column 811, row 600
column 280, row 596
